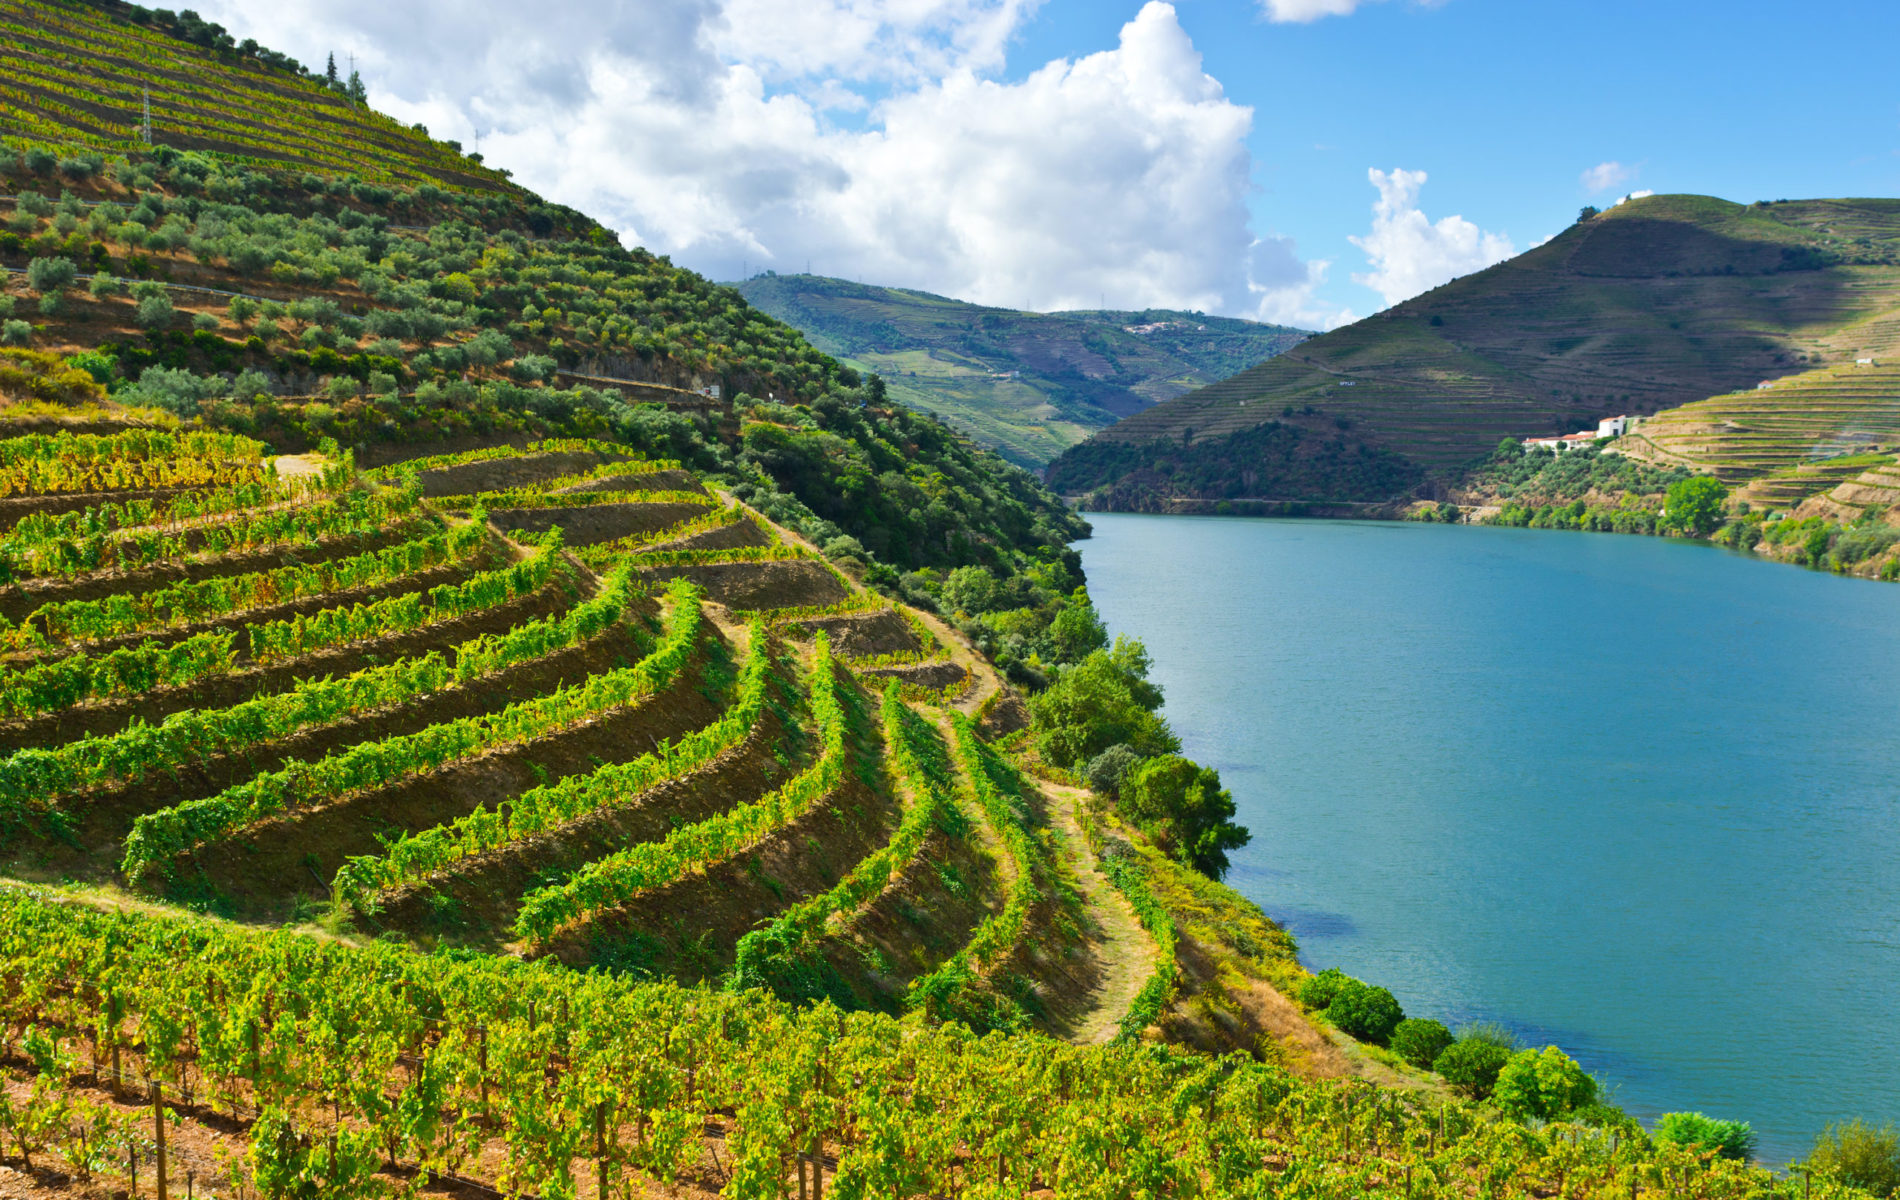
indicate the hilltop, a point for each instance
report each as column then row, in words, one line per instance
column 1025, row 384
column 1657, row 303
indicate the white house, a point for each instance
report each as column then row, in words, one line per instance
column 1563, row 442
column 1610, row 427
column 1865, row 362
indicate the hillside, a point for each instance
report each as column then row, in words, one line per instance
column 1027, row 385
column 445, row 749
column 1656, row 303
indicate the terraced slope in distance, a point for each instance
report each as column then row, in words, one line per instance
column 77, row 79
column 1025, row 384
column 1659, row 302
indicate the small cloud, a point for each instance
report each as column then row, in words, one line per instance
column 1408, row 252
column 1301, row 12
column 1639, row 194
column 1607, row 175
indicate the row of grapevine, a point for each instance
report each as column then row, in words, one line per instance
column 856, row 602
column 610, row 882
column 735, row 554
column 209, row 599
column 306, row 632
column 36, row 783
column 613, row 551
column 528, row 1075
column 998, row 935
column 92, row 540
column 132, row 670
column 537, row 496
column 159, row 837
column 46, row 464
column 916, row 753
column 411, row 466
column 411, row 859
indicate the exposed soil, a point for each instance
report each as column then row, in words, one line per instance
column 1224, row 1013
column 14, row 508
column 925, row 675
column 751, row 586
column 475, row 901
column 263, row 869
column 1005, row 717
column 584, row 526
column 860, row 634
column 223, row 691
column 646, row 481
column 495, row 474
column 739, row 534
column 19, row 599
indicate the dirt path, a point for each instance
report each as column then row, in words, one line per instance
column 1124, row 952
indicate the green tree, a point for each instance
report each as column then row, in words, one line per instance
column 1730, row 1139
column 1366, row 1012
column 1184, row 808
column 971, row 590
column 1860, row 1156
column 1318, row 992
column 1077, row 632
column 53, row 275
column 1695, row 505
column 1543, row 1084
column 1472, row 1066
column 1419, row 1041
column 1104, row 699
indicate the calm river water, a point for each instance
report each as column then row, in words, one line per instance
column 1636, row 797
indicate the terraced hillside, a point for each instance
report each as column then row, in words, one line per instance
column 77, row 77
column 1657, row 303
column 572, row 706
column 1028, row 385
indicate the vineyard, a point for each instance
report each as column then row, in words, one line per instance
column 418, row 778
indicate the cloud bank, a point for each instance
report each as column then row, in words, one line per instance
column 874, row 139
column 1409, row 253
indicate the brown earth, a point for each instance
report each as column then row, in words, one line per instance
column 763, row 585
column 586, row 525
column 857, row 635
column 735, row 536
column 645, row 481
column 496, row 474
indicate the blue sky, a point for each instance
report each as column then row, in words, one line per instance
column 1200, row 153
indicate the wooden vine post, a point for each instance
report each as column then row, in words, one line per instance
column 158, row 1135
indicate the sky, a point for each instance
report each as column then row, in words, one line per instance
column 1307, row 162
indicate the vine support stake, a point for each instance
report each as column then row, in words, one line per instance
column 158, row 1135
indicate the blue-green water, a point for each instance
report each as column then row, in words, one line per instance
column 1637, row 797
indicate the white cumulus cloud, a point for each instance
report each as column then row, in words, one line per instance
column 1302, row 11
column 874, row 139
column 1638, row 194
column 1408, row 252
column 1606, row 176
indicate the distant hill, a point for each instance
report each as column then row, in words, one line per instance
column 1657, row 303
column 1027, row 384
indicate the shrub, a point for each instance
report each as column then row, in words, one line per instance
column 155, row 312
column 1857, row 1154
column 175, row 391
column 1366, row 1012
column 532, row 366
column 45, row 376
column 1183, row 806
column 1695, row 505
column 242, row 309
column 1542, row 1084
column 206, row 322
column 41, row 162
column 104, row 285
column 1318, row 992
column 51, row 274
column 1599, row 1115
column 1420, row 1041
column 1730, row 1139
column 100, row 366
column 51, row 304
column 15, row 333
column 1106, row 770
column 1472, row 1066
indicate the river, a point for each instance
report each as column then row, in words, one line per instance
column 1639, row 798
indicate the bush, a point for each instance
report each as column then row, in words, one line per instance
column 1730, row 1139
column 155, row 312
column 1472, row 1066
column 1695, row 505
column 1420, row 1041
column 971, row 590
column 1106, row 770
column 175, row 391
column 206, row 322
column 15, row 333
column 51, row 274
column 1184, row 808
column 104, row 285
column 1366, row 1012
column 1857, row 1154
column 1542, row 1084
column 1318, row 992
